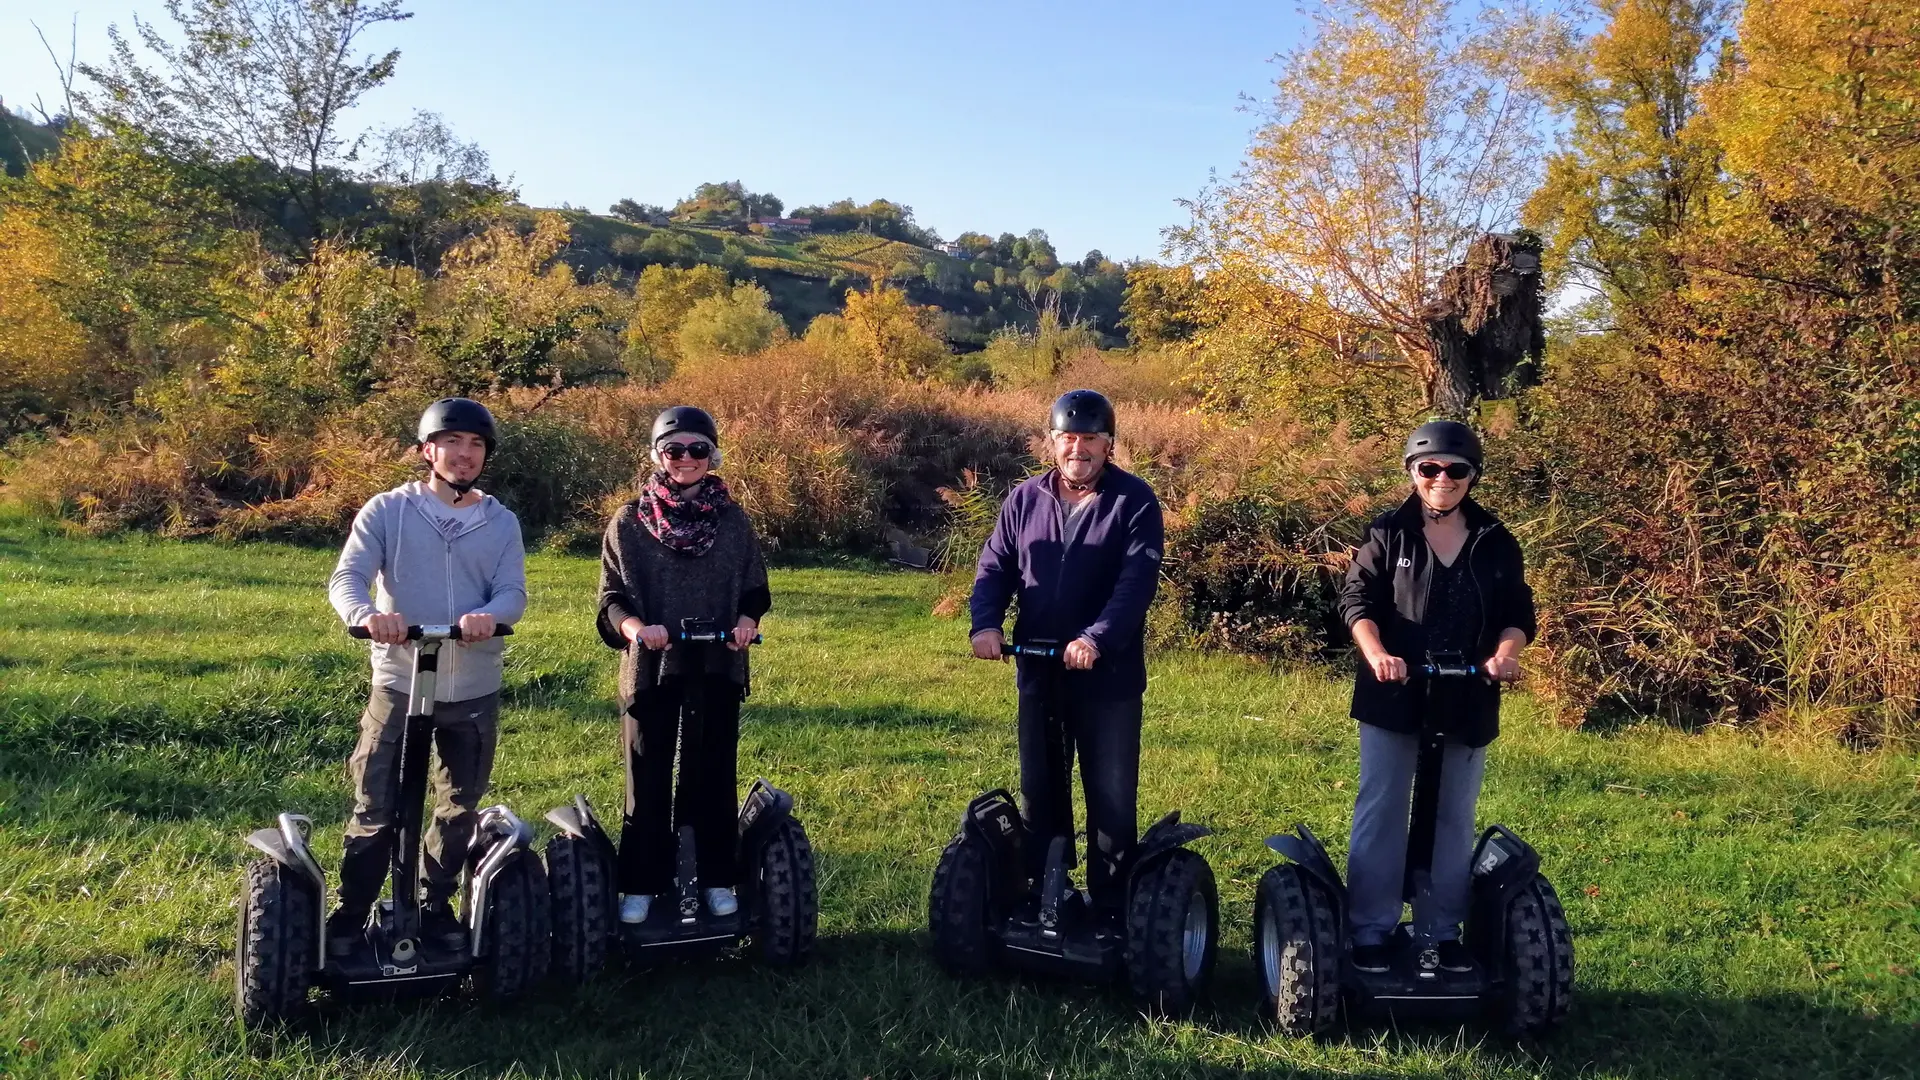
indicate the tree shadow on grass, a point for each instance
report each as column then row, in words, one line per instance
column 1673, row 1035
column 903, row 718
column 869, row 1004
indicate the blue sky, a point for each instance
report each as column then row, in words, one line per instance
column 1084, row 119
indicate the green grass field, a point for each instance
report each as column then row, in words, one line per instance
column 1738, row 910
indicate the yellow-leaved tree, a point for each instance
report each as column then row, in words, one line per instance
column 1400, row 133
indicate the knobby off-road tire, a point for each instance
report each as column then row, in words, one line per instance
column 1539, row 986
column 957, row 909
column 518, row 931
column 581, row 895
column 274, row 949
column 1166, row 969
column 789, row 908
column 1296, row 951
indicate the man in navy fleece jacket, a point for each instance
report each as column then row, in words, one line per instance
column 1079, row 547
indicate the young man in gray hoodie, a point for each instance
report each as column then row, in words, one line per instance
column 438, row 551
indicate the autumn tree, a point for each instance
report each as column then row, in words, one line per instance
column 266, row 80
column 896, row 337
column 1399, row 134
column 662, row 298
column 1631, row 171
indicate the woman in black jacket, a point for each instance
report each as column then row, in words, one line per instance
column 1439, row 576
column 683, row 550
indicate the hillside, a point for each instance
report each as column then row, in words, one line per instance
column 1003, row 283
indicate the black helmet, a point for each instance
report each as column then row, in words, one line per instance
column 688, row 419
column 1443, row 437
column 457, row 414
column 1087, row 412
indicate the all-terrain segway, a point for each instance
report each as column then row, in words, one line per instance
column 1516, row 931
column 281, row 950
column 984, row 910
column 778, row 910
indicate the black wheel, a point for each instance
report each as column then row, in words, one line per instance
column 274, row 952
column 1539, row 984
column 789, row 908
column 518, row 943
column 957, row 908
column 1173, row 929
column 1296, row 951
column 580, row 892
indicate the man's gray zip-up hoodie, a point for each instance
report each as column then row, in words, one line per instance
column 429, row 576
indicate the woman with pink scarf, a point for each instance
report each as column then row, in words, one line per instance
column 683, row 550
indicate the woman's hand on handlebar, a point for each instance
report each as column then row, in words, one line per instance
column 1387, row 667
column 742, row 635
column 387, row 628
column 638, row 633
column 987, row 645
column 1501, row 668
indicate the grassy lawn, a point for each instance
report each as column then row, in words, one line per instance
column 1738, row 910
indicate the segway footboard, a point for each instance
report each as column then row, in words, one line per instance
column 1173, row 918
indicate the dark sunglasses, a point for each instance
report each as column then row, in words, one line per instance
column 698, row 451
column 1455, row 470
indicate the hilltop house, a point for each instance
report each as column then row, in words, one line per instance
column 787, row 225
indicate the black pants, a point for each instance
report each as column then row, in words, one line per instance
column 1106, row 737
column 708, row 739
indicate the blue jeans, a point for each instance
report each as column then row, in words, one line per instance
column 1377, row 853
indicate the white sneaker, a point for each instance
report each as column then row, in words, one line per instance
column 633, row 909
column 721, row 902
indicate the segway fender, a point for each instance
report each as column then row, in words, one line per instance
column 1501, row 861
column 1306, row 850
column 764, row 808
column 993, row 821
column 1163, row 837
column 499, row 837
column 287, row 845
column 577, row 820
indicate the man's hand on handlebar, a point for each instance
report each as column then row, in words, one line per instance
column 475, row 626
column 987, row 645
column 388, row 628
column 743, row 632
column 1080, row 654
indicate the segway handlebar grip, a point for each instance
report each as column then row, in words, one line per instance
column 414, row 632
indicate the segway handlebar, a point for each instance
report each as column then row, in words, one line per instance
column 432, row 632
column 718, row 637
column 1039, row 652
column 1449, row 671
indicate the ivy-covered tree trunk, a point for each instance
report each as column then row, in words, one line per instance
column 1485, row 324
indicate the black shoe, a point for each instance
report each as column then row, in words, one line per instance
column 438, row 926
column 346, row 931
column 1453, row 956
column 1372, row 958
